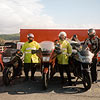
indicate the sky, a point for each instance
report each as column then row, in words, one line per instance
column 48, row 14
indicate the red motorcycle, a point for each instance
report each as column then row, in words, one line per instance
column 1, row 63
column 47, row 56
column 47, row 48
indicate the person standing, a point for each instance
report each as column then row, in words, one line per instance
column 93, row 42
column 30, row 60
column 64, row 57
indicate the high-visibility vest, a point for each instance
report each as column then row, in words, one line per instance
column 28, row 56
column 66, row 52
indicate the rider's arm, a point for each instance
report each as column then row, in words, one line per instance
column 69, row 49
column 23, row 48
column 98, row 46
column 37, row 46
column 85, row 42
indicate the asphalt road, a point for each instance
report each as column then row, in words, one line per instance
column 30, row 90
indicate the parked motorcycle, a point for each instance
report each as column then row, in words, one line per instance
column 12, row 62
column 1, row 63
column 45, row 54
column 47, row 47
column 80, row 63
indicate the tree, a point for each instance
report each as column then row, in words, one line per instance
column 2, row 41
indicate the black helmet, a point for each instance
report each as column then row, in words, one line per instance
column 91, row 32
column 19, row 53
column 75, row 36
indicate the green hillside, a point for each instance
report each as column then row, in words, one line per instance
column 10, row 36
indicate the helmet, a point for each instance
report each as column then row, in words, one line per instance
column 62, row 33
column 30, row 35
column 91, row 32
column 75, row 36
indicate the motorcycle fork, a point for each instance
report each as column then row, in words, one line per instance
column 80, row 77
column 83, row 70
column 46, row 70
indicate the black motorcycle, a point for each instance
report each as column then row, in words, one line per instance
column 80, row 63
column 12, row 64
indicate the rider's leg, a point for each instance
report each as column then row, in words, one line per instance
column 26, row 70
column 61, row 69
column 68, row 74
column 94, row 70
column 33, row 70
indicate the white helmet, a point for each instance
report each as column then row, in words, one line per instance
column 30, row 35
column 62, row 33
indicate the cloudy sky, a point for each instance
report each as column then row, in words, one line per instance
column 36, row 14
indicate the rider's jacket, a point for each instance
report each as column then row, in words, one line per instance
column 93, row 44
column 66, row 52
column 28, row 56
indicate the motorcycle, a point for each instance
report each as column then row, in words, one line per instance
column 1, row 63
column 80, row 63
column 12, row 62
column 46, row 47
column 44, row 55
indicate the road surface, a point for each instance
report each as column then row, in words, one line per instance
column 30, row 90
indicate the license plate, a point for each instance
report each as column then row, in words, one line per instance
column 46, row 59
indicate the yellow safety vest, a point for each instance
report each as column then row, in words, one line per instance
column 66, row 52
column 28, row 56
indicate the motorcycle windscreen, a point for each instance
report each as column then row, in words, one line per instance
column 84, row 53
column 47, row 46
column 9, row 52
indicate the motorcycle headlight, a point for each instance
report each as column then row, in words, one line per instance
column 87, row 60
column 46, row 59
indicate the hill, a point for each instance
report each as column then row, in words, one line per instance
column 10, row 36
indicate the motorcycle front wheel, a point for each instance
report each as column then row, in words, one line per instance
column 45, row 80
column 87, row 82
column 7, row 75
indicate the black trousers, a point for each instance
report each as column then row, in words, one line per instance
column 28, row 67
column 94, row 70
column 65, row 68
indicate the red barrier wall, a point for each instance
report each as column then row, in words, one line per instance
column 52, row 34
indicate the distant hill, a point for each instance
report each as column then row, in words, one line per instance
column 10, row 36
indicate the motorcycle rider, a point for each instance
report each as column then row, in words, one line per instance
column 30, row 60
column 93, row 42
column 64, row 56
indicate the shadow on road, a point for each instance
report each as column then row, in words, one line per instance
column 18, row 87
